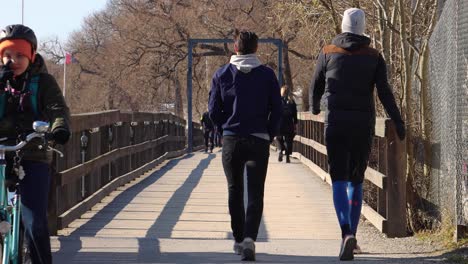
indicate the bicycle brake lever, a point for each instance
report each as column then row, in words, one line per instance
column 49, row 148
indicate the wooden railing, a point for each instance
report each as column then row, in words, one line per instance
column 107, row 150
column 384, row 186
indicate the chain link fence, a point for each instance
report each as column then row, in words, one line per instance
column 449, row 98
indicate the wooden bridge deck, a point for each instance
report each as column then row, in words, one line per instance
column 178, row 213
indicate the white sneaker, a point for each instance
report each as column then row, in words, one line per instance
column 248, row 249
column 347, row 247
column 237, row 248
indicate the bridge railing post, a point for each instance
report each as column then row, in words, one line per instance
column 52, row 210
column 396, row 182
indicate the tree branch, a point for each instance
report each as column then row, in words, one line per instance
column 300, row 55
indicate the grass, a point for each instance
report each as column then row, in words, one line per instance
column 444, row 236
column 457, row 259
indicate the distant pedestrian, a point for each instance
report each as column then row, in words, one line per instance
column 347, row 72
column 208, row 131
column 218, row 136
column 287, row 125
column 245, row 100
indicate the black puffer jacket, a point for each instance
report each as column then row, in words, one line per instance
column 347, row 72
column 206, row 122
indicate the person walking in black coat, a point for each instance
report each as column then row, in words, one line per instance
column 287, row 125
column 208, row 131
column 348, row 71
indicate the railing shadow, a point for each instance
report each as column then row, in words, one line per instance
column 168, row 218
column 106, row 214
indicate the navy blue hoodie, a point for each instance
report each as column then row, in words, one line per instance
column 245, row 98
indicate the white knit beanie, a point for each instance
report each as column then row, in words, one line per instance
column 354, row 21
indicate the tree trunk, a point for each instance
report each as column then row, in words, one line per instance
column 385, row 34
column 425, row 113
column 407, row 57
column 178, row 104
column 423, row 70
column 287, row 68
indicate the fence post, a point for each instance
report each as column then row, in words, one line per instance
column 396, row 187
column 52, row 213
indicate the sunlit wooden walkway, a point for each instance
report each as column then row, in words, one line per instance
column 178, row 213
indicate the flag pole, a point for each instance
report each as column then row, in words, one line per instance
column 65, row 76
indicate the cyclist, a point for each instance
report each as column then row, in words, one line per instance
column 28, row 93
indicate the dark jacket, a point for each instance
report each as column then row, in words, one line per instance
column 206, row 122
column 289, row 116
column 246, row 102
column 347, row 72
column 51, row 106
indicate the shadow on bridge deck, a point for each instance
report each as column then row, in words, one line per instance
column 178, row 214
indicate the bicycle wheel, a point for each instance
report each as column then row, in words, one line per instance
column 24, row 256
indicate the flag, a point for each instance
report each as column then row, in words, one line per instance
column 69, row 59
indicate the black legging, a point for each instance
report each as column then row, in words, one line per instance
column 348, row 153
column 209, row 138
column 285, row 143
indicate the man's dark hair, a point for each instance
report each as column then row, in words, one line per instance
column 245, row 41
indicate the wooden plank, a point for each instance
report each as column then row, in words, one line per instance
column 312, row 166
column 380, row 123
column 382, row 160
column 312, row 143
column 76, row 211
column 375, row 218
column 80, row 122
column 309, row 116
column 380, row 126
column 74, row 173
column 377, row 178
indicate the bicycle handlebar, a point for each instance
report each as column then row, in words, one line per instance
column 22, row 143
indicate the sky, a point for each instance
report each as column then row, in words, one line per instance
column 49, row 18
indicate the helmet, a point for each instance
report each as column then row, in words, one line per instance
column 19, row 32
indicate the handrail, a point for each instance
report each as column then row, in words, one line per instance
column 108, row 149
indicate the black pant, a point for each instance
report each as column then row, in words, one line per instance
column 218, row 138
column 348, row 153
column 252, row 154
column 285, row 143
column 34, row 190
column 209, row 138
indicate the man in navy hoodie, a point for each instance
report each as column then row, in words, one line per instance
column 245, row 100
column 347, row 72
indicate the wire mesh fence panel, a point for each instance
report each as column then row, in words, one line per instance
column 462, row 112
column 449, row 98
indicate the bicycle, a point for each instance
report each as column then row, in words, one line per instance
column 14, row 248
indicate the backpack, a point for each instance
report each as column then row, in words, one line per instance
column 33, row 88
